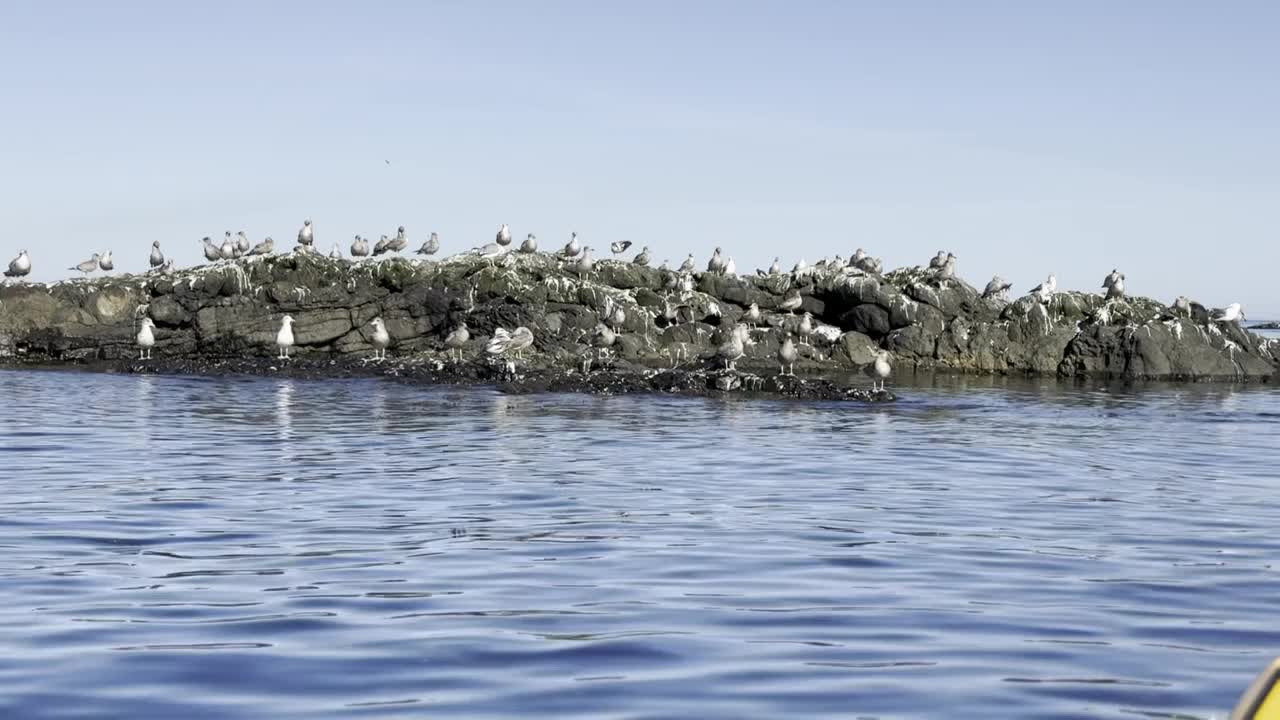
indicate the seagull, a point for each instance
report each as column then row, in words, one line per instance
column 305, row 236
column 729, row 267
column 146, row 339
column 381, row 339
column 336, row 252
column 687, row 266
column 211, row 251
column 1116, row 289
column 1110, row 279
column 791, row 301
column 504, row 342
column 382, row 245
column 89, row 265
column 359, row 247
column 19, row 266
column 157, row 257
column 858, row 256
column 227, row 250
column 775, row 268
column 457, row 339
column 242, row 243
column 105, row 262
column 752, row 316
column 665, row 266
column 504, row 236
column 1046, row 289
column 806, row 326
column 263, row 248
column 1182, row 306
column 997, row 286
column 948, row 268
column 284, row 338
column 1230, row 313
column 585, row 263
column 716, row 263
column 879, row 369
column 799, row 267
column 604, row 339
column 787, row 355
column 571, row 248
column 431, row 246
column 617, row 318
column 869, row 265
column 530, row 244
column 938, row 260
column 733, row 350
column 619, row 246
column 642, row 258
column 399, row 242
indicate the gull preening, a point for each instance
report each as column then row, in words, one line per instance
column 504, row 236
column 146, row 339
column 284, row 338
column 1045, row 289
column 157, row 257
column 105, row 262
column 381, row 339
column 19, row 266
column 380, row 247
column 359, row 247
column 620, row 246
column 509, row 343
column 879, row 369
column 399, row 242
column 306, row 235
column 457, row 339
column 87, row 266
column 1115, row 288
column 997, row 286
column 1231, row 313
column 430, row 246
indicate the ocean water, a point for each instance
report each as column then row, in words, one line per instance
column 251, row 548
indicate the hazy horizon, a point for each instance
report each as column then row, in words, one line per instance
column 1027, row 140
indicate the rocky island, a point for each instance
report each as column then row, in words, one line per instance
column 223, row 318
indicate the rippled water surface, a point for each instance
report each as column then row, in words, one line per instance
column 227, row 548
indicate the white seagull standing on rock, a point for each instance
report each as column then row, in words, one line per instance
column 19, row 266
column 284, row 338
column 879, row 369
column 1231, row 313
column 457, row 339
column 688, row 265
column 997, row 286
column 504, row 236
column 509, row 343
column 381, row 339
column 146, row 339
column 227, row 251
column 787, row 355
column 1046, row 289
column 305, row 235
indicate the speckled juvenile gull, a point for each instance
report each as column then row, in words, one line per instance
column 642, row 258
column 264, row 248
column 146, row 339
column 381, row 339
column 734, row 348
column 87, row 266
column 19, row 266
column 431, row 246
column 284, row 338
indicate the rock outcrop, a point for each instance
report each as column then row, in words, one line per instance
column 232, row 310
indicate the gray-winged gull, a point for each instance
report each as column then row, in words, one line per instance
column 688, row 265
column 264, row 248
column 227, row 250
column 105, row 262
column 642, row 258
column 504, row 236
column 242, row 243
column 1115, row 289
column 735, row 347
column 306, row 236
column 585, row 264
column 997, row 286
column 211, row 250
column 938, row 260
column 146, row 339
column 787, row 355
column 457, row 339
column 431, row 246
column 530, row 244
column 87, row 266
column 879, row 369
column 19, row 266
column 284, row 338
column 1045, row 289
column 571, row 248
column 382, row 246
column 716, row 263
column 791, row 301
column 752, row 316
column 1231, row 313
column 505, row 343
column 399, row 242
column 359, row 247
column 157, row 258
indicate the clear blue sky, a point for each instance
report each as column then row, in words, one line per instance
column 1026, row 137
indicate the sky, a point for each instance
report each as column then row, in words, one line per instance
column 1025, row 137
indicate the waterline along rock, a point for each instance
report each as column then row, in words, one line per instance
column 232, row 310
